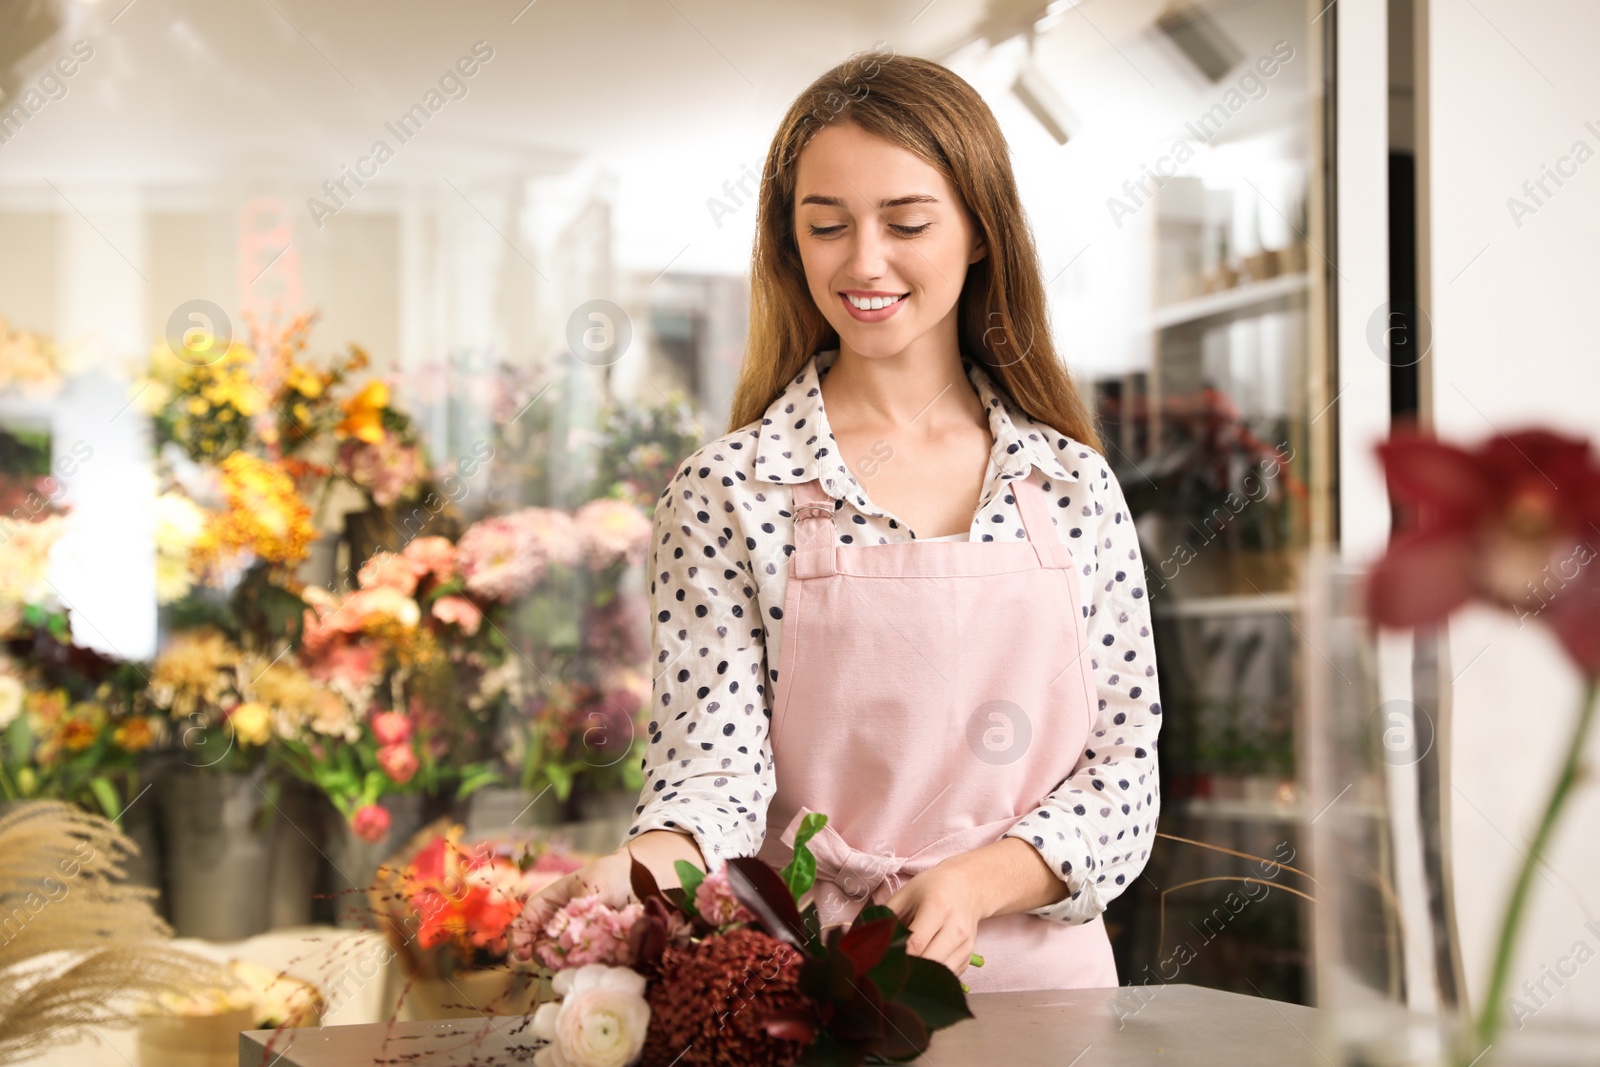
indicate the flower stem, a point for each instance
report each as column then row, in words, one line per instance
column 1489, row 1016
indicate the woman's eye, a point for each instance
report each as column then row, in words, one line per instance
column 903, row 231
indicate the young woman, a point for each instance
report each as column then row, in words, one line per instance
column 904, row 589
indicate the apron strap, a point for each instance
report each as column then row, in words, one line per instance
column 1034, row 504
column 814, row 534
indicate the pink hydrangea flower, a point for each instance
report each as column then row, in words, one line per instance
column 387, row 469
column 587, row 930
column 613, row 531
column 399, row 762
column 391, row 727
column 551, row 533
column 388, row 570
column 458, row 611
column 370, row 823
column 435, row 555
column 496, row 559
column 715, row 901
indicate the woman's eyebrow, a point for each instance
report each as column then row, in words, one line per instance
column 899, row 201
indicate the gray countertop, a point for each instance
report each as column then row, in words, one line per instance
column 1127, row 1026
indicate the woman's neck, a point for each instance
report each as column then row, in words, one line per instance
column 892, row 392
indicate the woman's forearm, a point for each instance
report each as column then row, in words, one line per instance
column 1011, row 876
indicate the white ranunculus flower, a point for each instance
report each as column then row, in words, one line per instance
column 600, row 1021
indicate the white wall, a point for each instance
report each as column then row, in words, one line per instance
column 1511, row 88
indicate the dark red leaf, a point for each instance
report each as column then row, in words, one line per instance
column 758, row 887
column 865, row 943
column 858, row 1017
column 904, row 1034
column 643, row 882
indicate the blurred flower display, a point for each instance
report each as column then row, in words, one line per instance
column 334, row 608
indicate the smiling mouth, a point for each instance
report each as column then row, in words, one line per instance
column 873, row 303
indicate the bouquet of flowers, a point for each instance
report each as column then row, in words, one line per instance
column 447, row 913
column 726, row 968
column 378, row 649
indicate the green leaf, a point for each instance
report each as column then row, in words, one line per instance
column 476, row 780
column 800, row 873
column 560, row 780
column 106, row 794
column 689, row 877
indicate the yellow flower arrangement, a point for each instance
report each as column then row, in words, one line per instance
column 265, row 515
column 180, row 523
column 251, row 722
column 363, row 413
column 193, row 672
column 297, row 702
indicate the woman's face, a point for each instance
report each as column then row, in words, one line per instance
column 874, row 222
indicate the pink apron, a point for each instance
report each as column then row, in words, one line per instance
column 930, row 694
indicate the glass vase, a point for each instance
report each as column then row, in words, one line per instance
column 1389, row 972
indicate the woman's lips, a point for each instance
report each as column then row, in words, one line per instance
column 877, row 315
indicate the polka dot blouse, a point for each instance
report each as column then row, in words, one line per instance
column 718, row 569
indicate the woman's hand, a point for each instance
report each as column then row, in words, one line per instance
column 607, row 876
column 610, row 877
column 942, row 906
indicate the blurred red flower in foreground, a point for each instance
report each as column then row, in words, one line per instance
column 1513, row 522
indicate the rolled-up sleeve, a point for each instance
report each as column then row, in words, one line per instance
column 1096, row 828
column 708, row 764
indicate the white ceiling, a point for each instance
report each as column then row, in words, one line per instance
column 667, row 99
column 185, row 90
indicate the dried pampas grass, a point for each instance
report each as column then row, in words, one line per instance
column 79, row 948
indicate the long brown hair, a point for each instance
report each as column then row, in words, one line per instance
column 926, row 109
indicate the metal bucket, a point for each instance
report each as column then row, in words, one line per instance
column 218, row 856
column 352, row 865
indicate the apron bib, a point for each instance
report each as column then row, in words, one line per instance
column 930, row 695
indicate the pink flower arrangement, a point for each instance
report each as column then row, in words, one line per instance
column 503, row 557
column 458, row 611
column 391, row 728
column 387, row 469
column 435, row 555
column 392, row 571
column 370, row 823
column 552, row 533
column 613, row 531
column 715, row 901
column 587, row 930
column 399, row 762
column 495, row 561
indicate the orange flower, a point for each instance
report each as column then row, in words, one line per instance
column 363, row 413
column 135, row 735
column 82, row 726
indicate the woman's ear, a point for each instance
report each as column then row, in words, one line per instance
column 980, row 248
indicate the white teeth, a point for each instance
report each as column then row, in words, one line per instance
column 872, row 303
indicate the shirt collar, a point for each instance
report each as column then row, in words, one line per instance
column 797, row 445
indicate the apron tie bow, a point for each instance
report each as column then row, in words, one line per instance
column 847, row 878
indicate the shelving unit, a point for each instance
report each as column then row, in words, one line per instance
column 1251, row 298
column 1227, row 385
